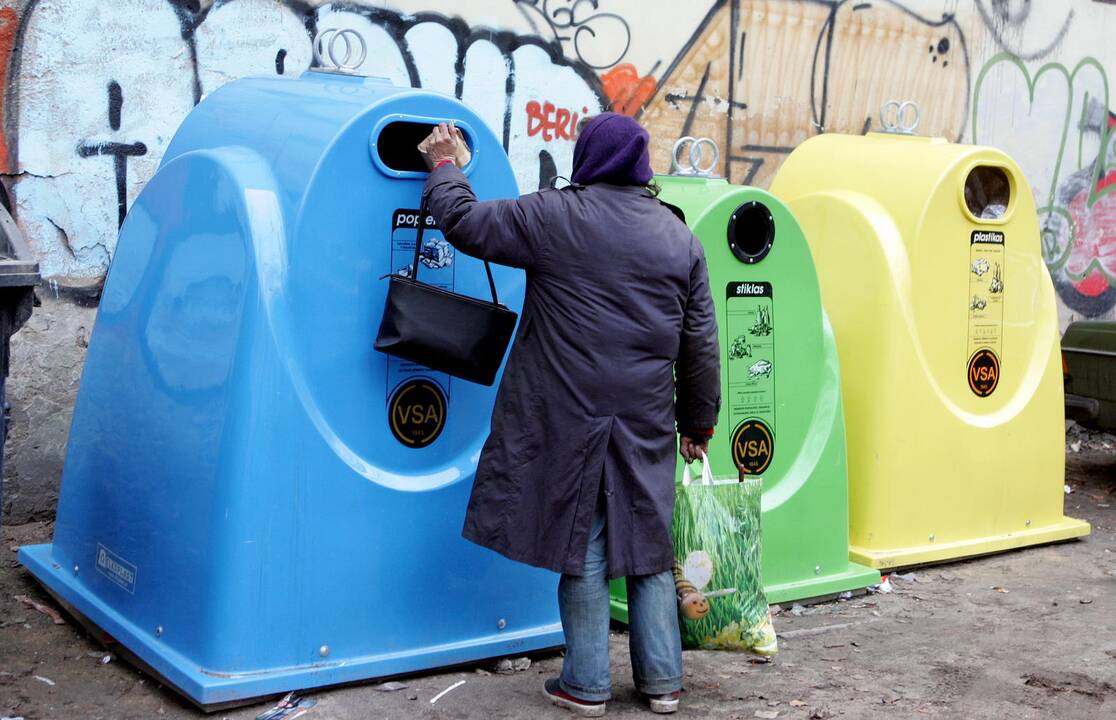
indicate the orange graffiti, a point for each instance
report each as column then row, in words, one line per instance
column 626, row 89
column 9, row 24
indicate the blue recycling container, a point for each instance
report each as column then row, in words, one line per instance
column 255, row 500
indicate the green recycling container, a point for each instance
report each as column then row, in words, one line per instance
column 781, row 411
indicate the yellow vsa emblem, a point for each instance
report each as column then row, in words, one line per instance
column 753, row 446
column 417, row 413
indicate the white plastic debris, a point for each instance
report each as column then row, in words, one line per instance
column 438, row 697
column 884, row 587
column 46, row 680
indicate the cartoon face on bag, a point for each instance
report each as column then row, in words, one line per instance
column 690, row 579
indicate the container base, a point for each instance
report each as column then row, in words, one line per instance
column 212, row 691
column 855, row 577
column 1066, row 529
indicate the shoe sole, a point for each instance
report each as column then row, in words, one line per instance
column 578, row 708
column 664, row 707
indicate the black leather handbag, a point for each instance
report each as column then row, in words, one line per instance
column 456, row 334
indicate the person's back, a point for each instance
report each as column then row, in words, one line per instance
column 609, row 296
column 616, row 343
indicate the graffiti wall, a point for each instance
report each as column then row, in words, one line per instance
column 93, row 92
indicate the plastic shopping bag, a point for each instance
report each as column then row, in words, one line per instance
column 722, row 605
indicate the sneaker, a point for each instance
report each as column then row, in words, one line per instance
column 664, row 704
column 554, row 692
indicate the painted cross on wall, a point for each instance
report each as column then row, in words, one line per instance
column 120, row 152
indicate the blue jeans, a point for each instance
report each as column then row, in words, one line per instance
column 653, row 636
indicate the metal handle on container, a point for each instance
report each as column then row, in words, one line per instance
column 695, row 156
column 894, row 117
column 329, row 56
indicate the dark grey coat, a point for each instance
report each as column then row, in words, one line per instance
column 617, row 306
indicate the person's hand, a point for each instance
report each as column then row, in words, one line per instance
column 692, row 449
column 463, row 155
column 445, row 142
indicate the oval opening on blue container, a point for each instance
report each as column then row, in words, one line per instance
column 395, row 143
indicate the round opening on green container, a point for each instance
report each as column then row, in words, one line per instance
column 751, row 232
column 987, row 192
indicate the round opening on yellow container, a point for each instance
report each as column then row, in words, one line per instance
column 988, row 193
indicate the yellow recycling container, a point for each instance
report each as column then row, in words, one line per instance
column 947, row 331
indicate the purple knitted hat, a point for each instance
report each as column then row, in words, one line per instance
column 612, row 148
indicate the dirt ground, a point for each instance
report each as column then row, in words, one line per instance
column 946, row 643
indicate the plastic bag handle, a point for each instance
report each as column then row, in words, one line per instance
column 706, row 472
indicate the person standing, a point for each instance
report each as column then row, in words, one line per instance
column 616, row 350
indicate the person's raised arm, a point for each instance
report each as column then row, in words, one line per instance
column 509, row 232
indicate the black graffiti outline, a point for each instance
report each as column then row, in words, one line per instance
column 548, row 170
column 829, row 28
column 734, row 30
column 187, row 12
column 120, row 152
column 1090, row 306
column 192, row 16
column 697, row 99
column 560, row 20
column 397, row 25
column 737, row 40
column 1003, row 20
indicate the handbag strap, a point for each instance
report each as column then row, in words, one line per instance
column 418, row 253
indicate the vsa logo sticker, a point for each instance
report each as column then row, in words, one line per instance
column 417, row 413
column 984, row 372
column 753, row 446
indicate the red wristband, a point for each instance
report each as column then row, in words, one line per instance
column 443, row 161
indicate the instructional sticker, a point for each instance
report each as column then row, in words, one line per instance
column 417, row 413
column 436, row 267
column 986, row 311
column 750, row 331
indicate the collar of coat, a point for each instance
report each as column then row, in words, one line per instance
column 631, row 189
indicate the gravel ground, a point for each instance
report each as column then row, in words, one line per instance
column 1028, row 634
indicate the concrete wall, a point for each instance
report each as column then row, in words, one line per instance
column 94, row 90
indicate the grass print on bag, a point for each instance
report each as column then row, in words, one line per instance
column 717, row 568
